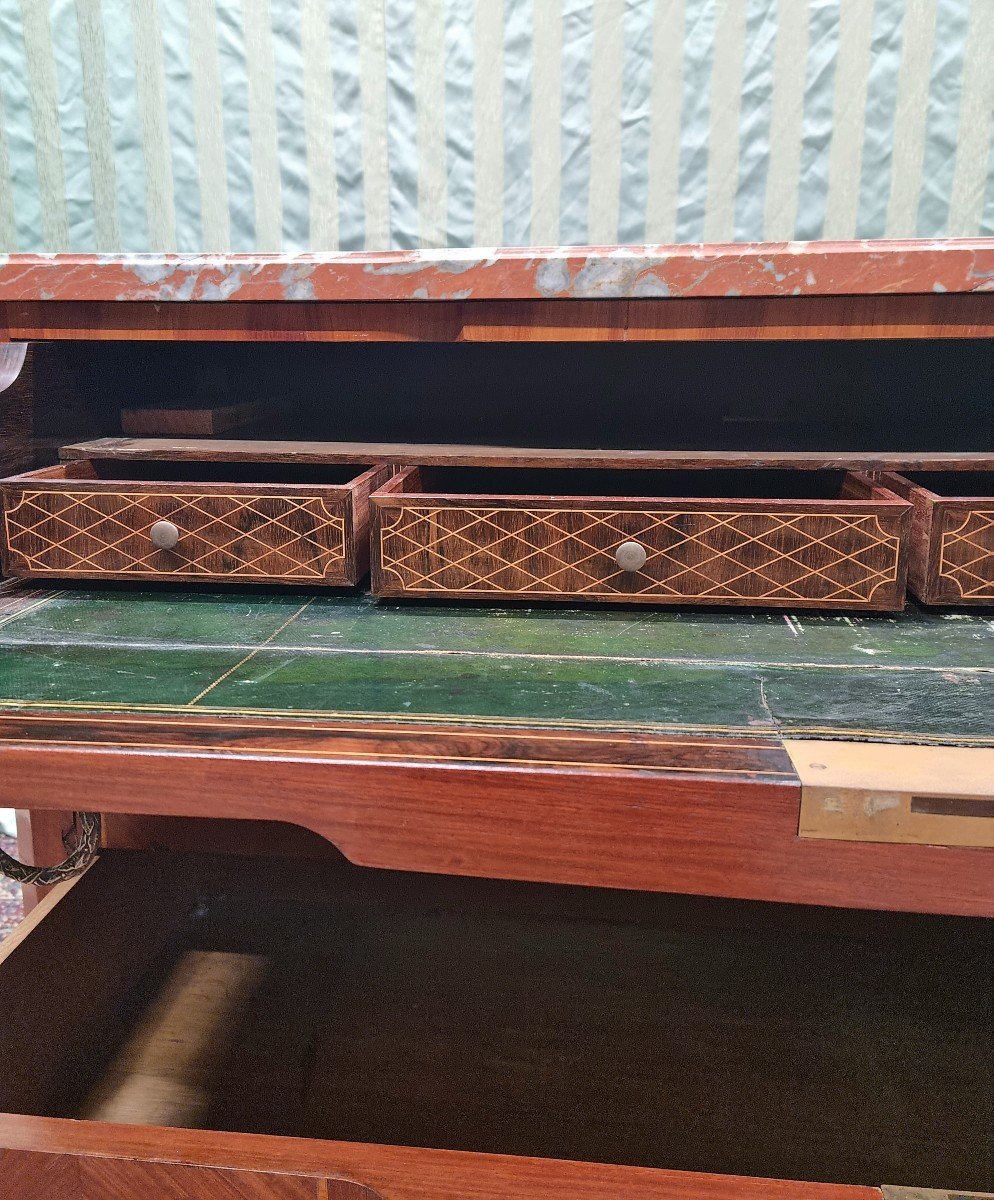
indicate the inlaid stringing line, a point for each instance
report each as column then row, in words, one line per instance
column 361, row 726
column 231, row 670
column 21, row 612
column 962, row 534
column 838, row 733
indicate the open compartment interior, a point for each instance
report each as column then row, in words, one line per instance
column 318, row 999
column 838, row 396
column 743, row 484
column 952, row 484
column 205, row 471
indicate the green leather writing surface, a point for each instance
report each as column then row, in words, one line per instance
column 919, row 677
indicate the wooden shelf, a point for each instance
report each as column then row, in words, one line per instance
column 406, row 453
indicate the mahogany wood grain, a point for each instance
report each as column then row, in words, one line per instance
column 190, row 421
column 952, row 536
column 410, row 454
column 39, row 843
column 705, row 816
column 395, row 1172
column 814, row 318
column 711, row 319
column 125, row 831
column 25, row 1173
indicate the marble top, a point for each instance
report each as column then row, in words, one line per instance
column 480, row 273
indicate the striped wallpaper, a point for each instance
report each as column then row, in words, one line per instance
column 292, row 125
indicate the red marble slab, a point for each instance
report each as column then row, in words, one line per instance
column 588, row 273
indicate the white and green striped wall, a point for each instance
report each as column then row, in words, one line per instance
column 293, row 125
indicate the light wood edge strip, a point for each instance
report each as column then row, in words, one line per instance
column 34, row 918
column 862, row 791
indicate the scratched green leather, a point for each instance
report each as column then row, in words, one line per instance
column 914, row 677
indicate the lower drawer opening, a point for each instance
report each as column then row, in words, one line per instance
column 321, row 1000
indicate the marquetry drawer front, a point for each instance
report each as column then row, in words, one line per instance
column 666, row 553
column 952, row 543
column 105, row 529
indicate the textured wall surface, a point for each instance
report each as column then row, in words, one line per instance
column 214, row 125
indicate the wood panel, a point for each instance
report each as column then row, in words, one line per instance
column 737, row 319
column 135, row 449
column 39, row 843
column 65, row 1015
column 190, row 421
column 397, row 1172
column 692, row 815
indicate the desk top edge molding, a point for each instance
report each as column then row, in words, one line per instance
column 699, row 270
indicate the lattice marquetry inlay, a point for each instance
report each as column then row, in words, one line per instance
column 64, row 532
column 966, row 556
column 694, row 556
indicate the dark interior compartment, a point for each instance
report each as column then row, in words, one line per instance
column 954, row 483
column 188, row 471
column 319, row 999
column 901, row 395
column 537, row 481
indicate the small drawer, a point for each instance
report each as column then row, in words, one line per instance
column 951, row 558
column 231, row 522
column 777, row 538
column 203, row 1025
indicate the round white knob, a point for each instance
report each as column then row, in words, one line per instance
column 164, row 535
column 630, row 556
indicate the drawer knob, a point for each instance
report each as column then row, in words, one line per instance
column 164, row 535
column 630, row 556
